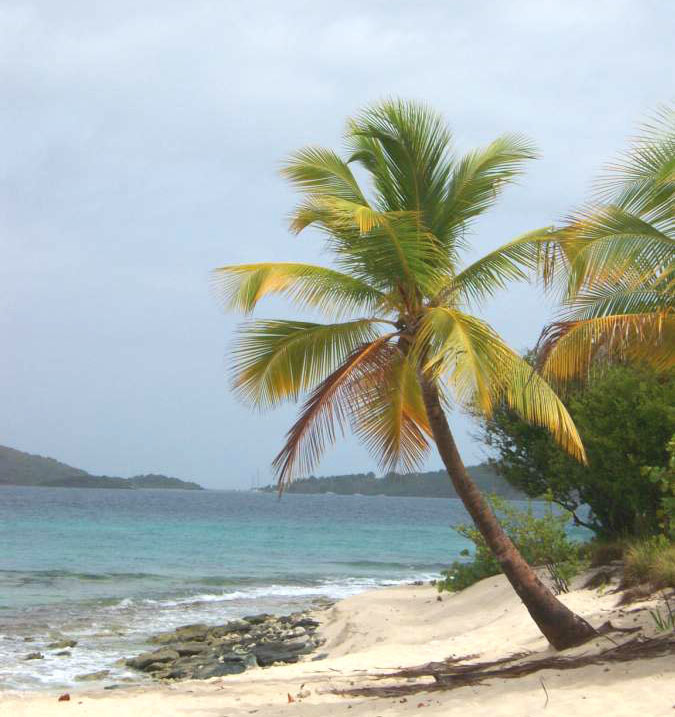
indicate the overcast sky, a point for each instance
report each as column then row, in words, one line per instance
column 140, row 145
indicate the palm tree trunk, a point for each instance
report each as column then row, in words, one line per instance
column 561, row 627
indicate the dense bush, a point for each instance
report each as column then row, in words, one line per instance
column 625, row 416
column 664, row 480
column 541, row 541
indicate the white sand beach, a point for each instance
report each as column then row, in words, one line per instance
column 383, row 630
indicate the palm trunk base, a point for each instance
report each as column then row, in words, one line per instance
column 561, row 627
column 570, row 631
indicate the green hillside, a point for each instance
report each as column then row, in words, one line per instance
column 26, row 469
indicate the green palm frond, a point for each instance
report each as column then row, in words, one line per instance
column 242, row 286
column 622, row 297
column 513, row 261
column 478, row 178
column 612, row 242
column 369, row 154
column 278, row 360
column 482, row 372
column 406, row 147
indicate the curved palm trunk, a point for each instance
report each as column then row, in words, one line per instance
column 561, row 627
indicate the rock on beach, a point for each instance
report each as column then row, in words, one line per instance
column 200, row 652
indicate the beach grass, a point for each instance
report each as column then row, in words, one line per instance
column 651, row 560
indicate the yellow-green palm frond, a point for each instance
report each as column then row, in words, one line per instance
column 460, row 348
column 242, row 286
column 389, row 416
column 389, row 250
column 532, row 398
column 317, row 171
column 328, row 408
column 278, row 360
column 482, row 371
column 343, row 216
column 568, row 349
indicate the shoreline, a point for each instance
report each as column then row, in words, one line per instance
column 380, row 631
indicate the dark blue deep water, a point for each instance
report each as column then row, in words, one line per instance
column 110, row 567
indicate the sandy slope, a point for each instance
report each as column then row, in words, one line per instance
column 399, row 627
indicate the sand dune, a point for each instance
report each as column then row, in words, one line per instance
column 383, row 630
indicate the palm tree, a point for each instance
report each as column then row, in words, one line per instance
column 616, row 264
column 400, row 346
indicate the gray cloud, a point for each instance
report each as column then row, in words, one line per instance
column 140, row 143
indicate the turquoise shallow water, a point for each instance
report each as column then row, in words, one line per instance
column 110, row 567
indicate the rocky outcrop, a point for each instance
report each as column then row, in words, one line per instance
column 92, row 676
column 61, row 644
column 200, row 651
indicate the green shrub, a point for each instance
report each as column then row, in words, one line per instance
column 651, row 560
column 664, row 479
column 541, row 541
column 625, row 416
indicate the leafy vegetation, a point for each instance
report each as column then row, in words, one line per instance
column 541, row 540
column 664, row 479
column 625, row 415
column 434, row 484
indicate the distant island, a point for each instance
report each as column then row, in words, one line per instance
column 434, row 484
column 25, row 469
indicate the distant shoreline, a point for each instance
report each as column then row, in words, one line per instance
column 131, row 488
column 432, row 484
column 267, row 490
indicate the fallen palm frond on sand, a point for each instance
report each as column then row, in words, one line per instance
column 450, row 674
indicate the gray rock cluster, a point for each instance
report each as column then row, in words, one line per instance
column 200, row 651
column 59, row 645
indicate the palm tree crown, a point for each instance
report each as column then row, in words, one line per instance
column 617, row 264
column 397, row 299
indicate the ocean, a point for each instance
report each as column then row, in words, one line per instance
column 110, row 567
